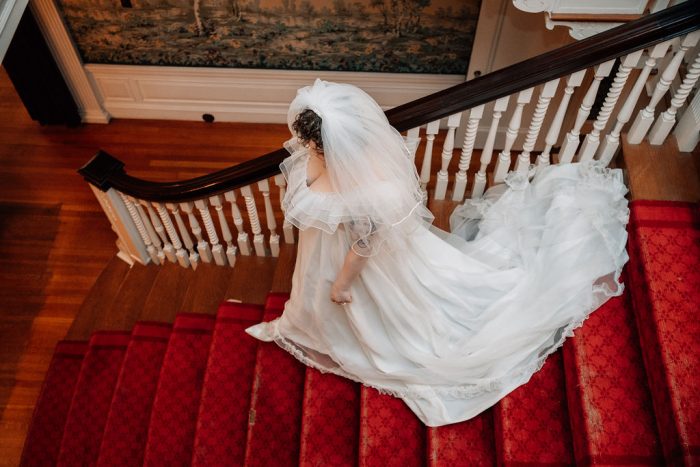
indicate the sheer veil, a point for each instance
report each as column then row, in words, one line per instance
column 369, row 166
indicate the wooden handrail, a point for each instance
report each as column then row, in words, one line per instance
column 104, row 171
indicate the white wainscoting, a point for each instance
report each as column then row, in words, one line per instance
column 238, row 95
column 10, row 14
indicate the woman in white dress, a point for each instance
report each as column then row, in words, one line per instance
column 450, row 323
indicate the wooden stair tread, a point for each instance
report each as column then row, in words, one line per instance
column 103, row 291
column 129, row 300
column 661, row 172
column 206, row 289
column 167, row 293
column 282, row 279
column 251, row 279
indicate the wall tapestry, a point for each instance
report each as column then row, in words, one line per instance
column 412, row 36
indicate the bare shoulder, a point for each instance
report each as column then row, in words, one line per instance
column 314, row 169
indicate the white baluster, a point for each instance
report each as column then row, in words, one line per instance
column 217, row 250
column 184, row 233
column 202, row 246
column 548, row 90
column 412, row 141
column 661, row 65
column 430, row 132
column 645, row 117
column 687, row 132
column 665, row 121
column 264, row 187
column 446, row 156
column 243, row 240
column 180, row 252
column 503, row 162
column 592, row 140
column 480, row 177
column 571, row 142
column 465, row 158
column 258, row 239
column 217, row 202
column 158, row 225
column 138, row 222
column 287, row 227
column 572, row 82
column 611, row 143
column 155, row 239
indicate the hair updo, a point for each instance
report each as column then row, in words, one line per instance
column 307, row 126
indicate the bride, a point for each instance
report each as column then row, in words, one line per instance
column 448, row 322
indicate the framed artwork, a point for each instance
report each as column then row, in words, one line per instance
column 397, row 36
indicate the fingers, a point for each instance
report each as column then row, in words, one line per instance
column 341, row 302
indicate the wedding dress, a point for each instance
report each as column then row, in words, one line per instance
column 453, row 323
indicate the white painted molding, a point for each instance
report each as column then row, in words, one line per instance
column 68, row 60
column 230, row 95
column 10, row 14
column 587, row 7
column 535, row 6
column 580, row 29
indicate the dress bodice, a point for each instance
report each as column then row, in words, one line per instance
column 304, row 207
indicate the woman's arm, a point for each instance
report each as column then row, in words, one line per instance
column 353, row 264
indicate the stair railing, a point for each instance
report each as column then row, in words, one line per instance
column 189, row 221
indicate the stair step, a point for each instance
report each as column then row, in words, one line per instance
column 223, row 412
column 390, row 434
column 532, row 424
column 103, row 291
column 167, row 293
column 207, row 289
column 93, row 395
column 664, row 249
column 176, row 405
column 43, row 440
column 124, row 439
column 123, row 311
column 466, row 443
column 274, row 422
column 609, row 403
column 330, row 425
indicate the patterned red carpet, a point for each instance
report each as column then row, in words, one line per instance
column 623, row 391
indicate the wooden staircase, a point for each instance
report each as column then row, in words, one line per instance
column 159, row 293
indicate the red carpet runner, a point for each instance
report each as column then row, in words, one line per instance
column 623, row 391
column 665, row 286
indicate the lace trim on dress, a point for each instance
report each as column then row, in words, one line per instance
column 417, row 391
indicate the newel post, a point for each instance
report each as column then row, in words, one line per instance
column 97, row 173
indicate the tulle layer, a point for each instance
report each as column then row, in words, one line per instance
column 305, row 208
column 456, row 322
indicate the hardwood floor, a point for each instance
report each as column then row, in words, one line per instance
column 55, row 240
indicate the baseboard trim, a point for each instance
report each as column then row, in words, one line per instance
column 238, row 95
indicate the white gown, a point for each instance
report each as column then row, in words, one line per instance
column 448, row 325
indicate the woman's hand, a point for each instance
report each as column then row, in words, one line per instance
column 340, row 295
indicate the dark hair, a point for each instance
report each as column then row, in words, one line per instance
column 307, row 126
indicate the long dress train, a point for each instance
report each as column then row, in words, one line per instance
column 452, row 323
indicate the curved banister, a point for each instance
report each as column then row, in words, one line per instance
column 104, row 171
